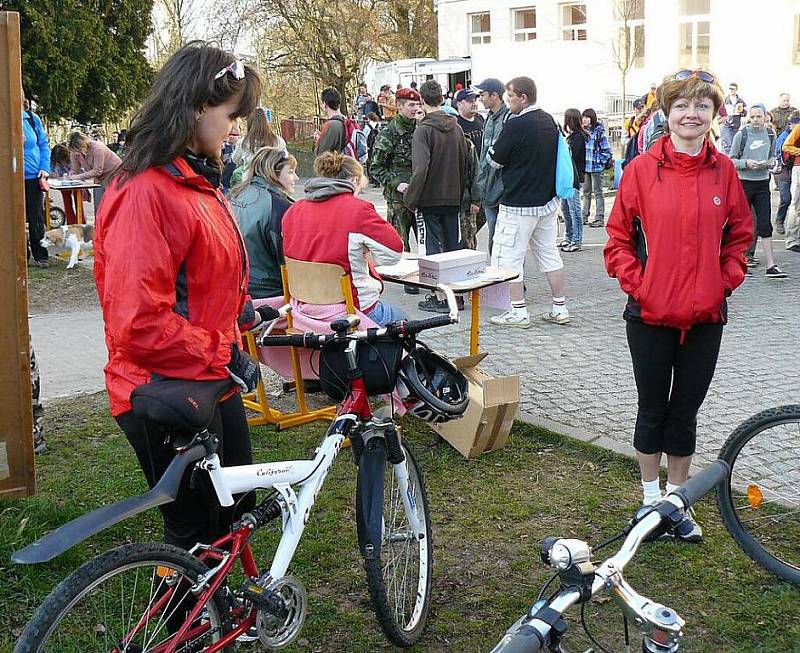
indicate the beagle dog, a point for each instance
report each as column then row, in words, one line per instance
column 73, row 237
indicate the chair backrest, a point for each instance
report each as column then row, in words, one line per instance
column 318, row 283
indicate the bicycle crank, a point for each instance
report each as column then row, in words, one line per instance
column 279, row 628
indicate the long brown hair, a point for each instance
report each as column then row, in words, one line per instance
column 259, row 132
column 163, row 126
column 268, row 164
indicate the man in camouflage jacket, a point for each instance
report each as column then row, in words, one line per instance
column 390, row 164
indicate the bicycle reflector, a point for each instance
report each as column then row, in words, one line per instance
column 755, row 496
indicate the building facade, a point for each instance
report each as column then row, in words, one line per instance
column 574, row 50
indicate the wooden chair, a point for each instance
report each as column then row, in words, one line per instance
column 310, row 283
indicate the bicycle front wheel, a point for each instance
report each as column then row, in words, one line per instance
column 400, row 580
column 760, row 503
column 131, row 599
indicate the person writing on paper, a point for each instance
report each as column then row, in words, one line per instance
column 91, row 160
column 333, row 225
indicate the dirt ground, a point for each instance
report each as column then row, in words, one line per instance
column 58, row 290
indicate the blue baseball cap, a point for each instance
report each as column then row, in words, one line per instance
column 491, row 85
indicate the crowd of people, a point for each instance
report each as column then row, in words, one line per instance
column 178, row 307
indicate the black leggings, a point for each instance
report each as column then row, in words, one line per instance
column 672, row 379
column 195, row 515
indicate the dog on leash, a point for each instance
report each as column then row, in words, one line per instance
column 73, row 237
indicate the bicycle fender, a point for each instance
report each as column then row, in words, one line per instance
column 369, row 498
column 65, row 537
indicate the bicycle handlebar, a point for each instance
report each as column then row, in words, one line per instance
column 531, row 633
column 702, row 483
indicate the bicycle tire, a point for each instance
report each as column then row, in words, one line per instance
column 401, row 626
column 64, row 601
column 765, row 467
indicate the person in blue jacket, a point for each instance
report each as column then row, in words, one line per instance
column 37, row 169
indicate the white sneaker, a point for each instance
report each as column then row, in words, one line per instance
column 556, row 318
column 512, row 319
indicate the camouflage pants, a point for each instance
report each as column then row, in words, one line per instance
column 39, row 445
column 403, row 220
column 470, row 226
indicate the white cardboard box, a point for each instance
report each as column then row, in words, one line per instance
column 452, row 267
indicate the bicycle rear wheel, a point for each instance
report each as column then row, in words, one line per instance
column 400, row 580
column 131, row 599
column 760, row 502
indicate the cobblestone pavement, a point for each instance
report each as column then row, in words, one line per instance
column 576, row 379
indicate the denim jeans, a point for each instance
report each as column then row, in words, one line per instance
column 571, row 209
column 382, row 313
column 491, row 221
column 593, row 183
column 785, row 192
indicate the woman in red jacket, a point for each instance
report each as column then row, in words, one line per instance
column 677, row 236
column 333, row 225
column 171, row 268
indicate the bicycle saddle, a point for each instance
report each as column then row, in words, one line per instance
column 177, row 404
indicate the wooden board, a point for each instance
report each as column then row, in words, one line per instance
column 17, row 472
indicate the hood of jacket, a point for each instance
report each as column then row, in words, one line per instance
column 665, row 155
column 439, row 121
column 319, row 189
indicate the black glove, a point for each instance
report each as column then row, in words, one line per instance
column 268, row 313
column 251, row 317
column 245, row 371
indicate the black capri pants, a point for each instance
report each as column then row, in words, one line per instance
column 672, row 379
column 758, row 195
column 195, row 515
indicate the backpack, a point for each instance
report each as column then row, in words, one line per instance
column 631, row 151
column 658, row 131
column 355, row 143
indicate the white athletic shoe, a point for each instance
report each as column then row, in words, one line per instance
column 511, row 319
column 556, row 318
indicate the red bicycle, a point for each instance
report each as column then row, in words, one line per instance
column 156, row 598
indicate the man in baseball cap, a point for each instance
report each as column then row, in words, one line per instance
column 490, row 183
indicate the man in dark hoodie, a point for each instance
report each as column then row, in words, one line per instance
column 438, row 169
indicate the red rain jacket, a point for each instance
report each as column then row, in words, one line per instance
column 171, row 272
column 677, row 236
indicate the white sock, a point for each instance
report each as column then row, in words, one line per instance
column 652, row 492
column 671, row 488
column 559, row 306
column 518, row 308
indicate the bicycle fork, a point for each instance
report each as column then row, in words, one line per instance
column 381, row 444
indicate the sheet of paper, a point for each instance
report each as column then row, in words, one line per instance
column 403, row 268
column 496, row 296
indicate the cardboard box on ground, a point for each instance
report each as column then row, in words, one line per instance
column 493, row 403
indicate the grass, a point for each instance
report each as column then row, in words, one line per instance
column 489, row 516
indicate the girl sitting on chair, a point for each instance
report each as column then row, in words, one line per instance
column 333, row 225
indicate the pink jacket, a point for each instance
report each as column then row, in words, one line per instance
column 98, row 163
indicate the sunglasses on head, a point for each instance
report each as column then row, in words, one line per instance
column 235, row 68
column 700, row 74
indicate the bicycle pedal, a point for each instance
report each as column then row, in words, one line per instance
column 264, row 599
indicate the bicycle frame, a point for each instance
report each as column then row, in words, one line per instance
column 296, row 506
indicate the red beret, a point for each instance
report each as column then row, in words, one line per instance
column 408, row 94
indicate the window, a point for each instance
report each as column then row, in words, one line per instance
column 573, row 22
column 695, row 7
column 796, row 48
column 480, row 28
column 524, row 24
column 695, row 33
column 632, row 51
